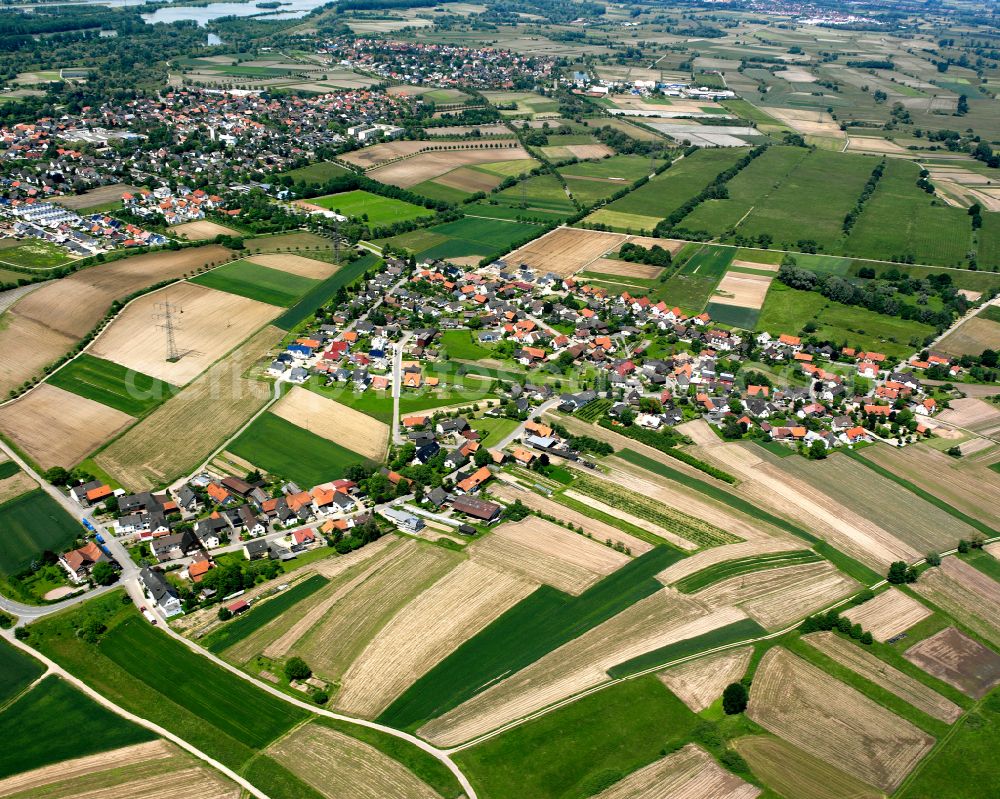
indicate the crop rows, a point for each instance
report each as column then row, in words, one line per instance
column 733, row 568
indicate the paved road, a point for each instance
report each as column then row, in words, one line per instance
column 518, row 431
column 54, row 668
column 397, row 384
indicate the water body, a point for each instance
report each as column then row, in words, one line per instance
column 293, row 9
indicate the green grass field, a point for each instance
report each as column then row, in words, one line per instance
column 112, row 384
column 319, row 173
column 34, row 253
column 902, row 220
column 292, row 452
column 511, row 214
column 625, row 169
column 988, row 252
column 693, row 285
column 247, row 624
column 733, row 315
column 462, row 344
column 474, row 236
column 376, row 209
column 788, row 310
column 538, row 191
column 31, row 524
column 582, row 748
column 55, row 722
column 438, row 191
column 8, row 469
column 257, row 282
column 733, row 568
column 324, row 290
column 17, row 671
column 532, row 628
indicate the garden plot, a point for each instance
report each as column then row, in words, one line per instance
column 295, row 265
column 329, row 419
column 965, row 593
column 335, row 641
column 834, row 722
column 430, row 165
column 156, row 770
column 795, row 774
column 208, row 324
column 430, row 627
column 699, row 683
column 890, row 613
column 201, row 230
column 850, row 654
column 776, row 597
column 956, row 659
column 341, row 767
column 183, row 431
column 598, row 530
column 654, row 622
column 690, row 773
column 544, row 552
column 565, row 250
column 57, row 428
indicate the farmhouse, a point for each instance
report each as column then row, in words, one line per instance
column 79, row 562
column 91, row 493
column 477, row 508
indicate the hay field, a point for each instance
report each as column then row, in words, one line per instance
column 208, row 324
column 543, row 552
column 336, row 640
column 887, row 615
column 795, row 774
column 874, row 670
column 832, row 721
column 958, row 660
column 58, row 428
column 201, row 230
column 965, row 593
column 183, row 431
column 699, row 683
column 341, row 767
column 741, row 289
column 157, row 770
column 971, row 413
column 611, row 266
column 565, row 250
column 971, row 338
column 599, row 530
column 430, row 165
column 660, row 619
column 710, row 557
column 430, row 627
column 776, row 597
column 965, row 485
column 329, row 419
column 44, row 324
column 690, row 773
column 294, row 265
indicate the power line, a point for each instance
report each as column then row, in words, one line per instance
column 165, row 314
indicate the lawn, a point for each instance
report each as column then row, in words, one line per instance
column 532, row 628
column 246, row 624
column 323, row 291
column 494, row 430
column 35, row 254
column 582, row 748
column 55, row 722
column 693, row 286
column 31, row 524
column 788, row 310
column 257, row 282
column 373, row 208
column 112, row 384
column 461, row 344
column 17, row 671
column 293, row 453
column 319, row 173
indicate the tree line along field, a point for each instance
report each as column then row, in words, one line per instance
column 256, row 282
column 376, row 209
column 113, row 385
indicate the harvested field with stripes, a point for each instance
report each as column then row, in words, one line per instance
column 157, row 770
column 953, row 657
column 364, row 607
column 778, row 597
column 740, row 566
column 295, row 265
column 598, row 530
column 433, row 625
column 341, row 767
column 660, row 619
column 543, row 552
column 710, row 557
column 967, row 594
column 566, row 250
column 887, row 615
column 832, row 721
column 328, row 419
column 796, row 774
column 851, row 655
column 689, row 773
column 612, row 266
column 615, row 509
column 699, row 683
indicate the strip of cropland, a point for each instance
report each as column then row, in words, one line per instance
column 256, row 282
column 31, row 524
column 112, row 384
column 324, row 291
column 17, row 671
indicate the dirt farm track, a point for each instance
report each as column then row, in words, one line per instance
column 46, row 323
